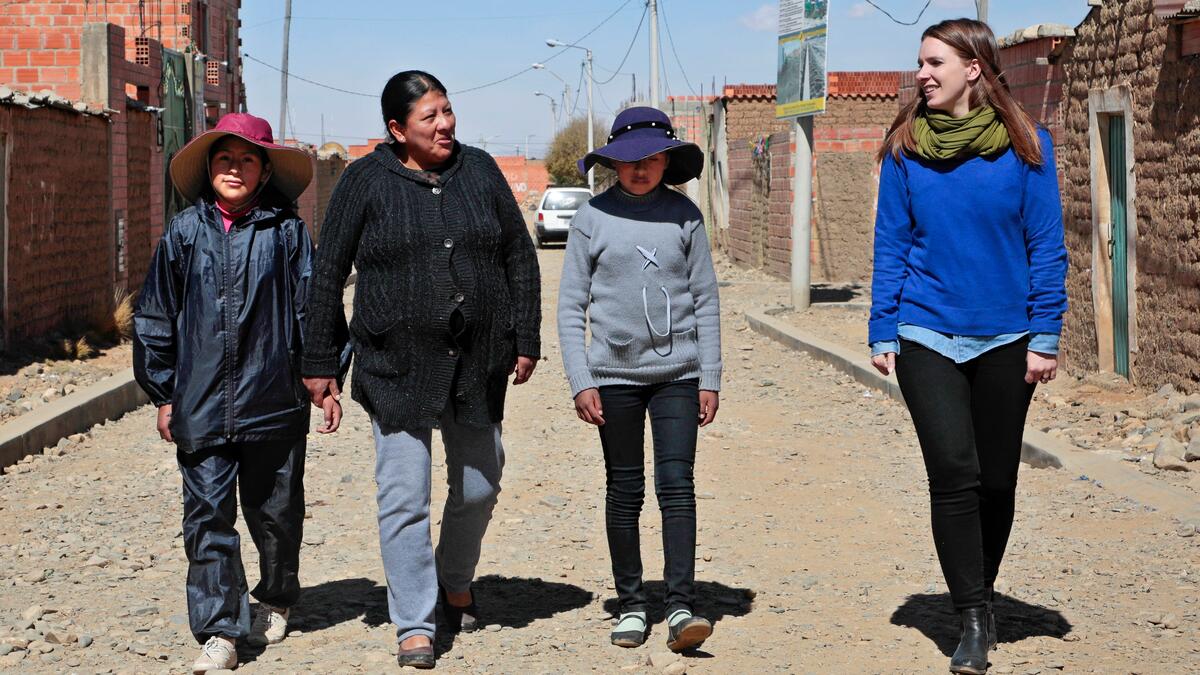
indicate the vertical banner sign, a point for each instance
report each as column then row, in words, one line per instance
column 800, row 82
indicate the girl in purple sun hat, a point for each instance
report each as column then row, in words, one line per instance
column 639, row 273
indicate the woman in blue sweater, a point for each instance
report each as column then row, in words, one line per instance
column 967, row 299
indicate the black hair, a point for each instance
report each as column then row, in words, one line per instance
column 403, row 91
column 220, row 142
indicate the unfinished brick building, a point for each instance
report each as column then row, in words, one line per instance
column 85, row 213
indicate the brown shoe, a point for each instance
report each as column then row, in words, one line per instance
column 688, row 633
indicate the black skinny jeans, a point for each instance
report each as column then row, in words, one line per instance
column 674, row 408
column 969, row 419
column 269, row 475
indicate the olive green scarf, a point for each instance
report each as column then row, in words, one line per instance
column 979, row 133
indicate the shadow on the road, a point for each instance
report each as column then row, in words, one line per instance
column 505, row 601
column 714, row 601
column 825, row 293
column 933, row 615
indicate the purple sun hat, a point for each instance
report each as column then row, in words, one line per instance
column 642, row 131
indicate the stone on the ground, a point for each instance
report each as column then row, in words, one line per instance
column 677, row 668
column 1192, row 453
column 1168, row 455
column 661, row 660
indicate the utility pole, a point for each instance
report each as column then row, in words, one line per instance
column 283, row 74
column 653, row 52
column 591, row 121
column 981, row 10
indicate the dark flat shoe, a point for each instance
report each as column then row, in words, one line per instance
column 417, row 657
column 688, row 633
column 630, row 638
column 459, row 619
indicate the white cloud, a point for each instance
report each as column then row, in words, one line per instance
column 859, row 9
column 763, row 19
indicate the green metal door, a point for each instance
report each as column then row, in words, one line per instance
column 177, row 124
column 1118, row 244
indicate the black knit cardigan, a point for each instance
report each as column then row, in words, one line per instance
column 423, row 246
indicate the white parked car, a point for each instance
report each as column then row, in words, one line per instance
column 557, row 208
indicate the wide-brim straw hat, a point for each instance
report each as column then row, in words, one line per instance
column 291, row 168
column 641, row 131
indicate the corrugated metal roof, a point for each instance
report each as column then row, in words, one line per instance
column 1176, row 9
column 1036, row 32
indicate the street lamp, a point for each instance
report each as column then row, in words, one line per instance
column 591, row 137
column 566, row 87
column 553, row 107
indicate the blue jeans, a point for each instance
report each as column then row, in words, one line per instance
column 474, row 463
column 269, row 476
column 674, row 409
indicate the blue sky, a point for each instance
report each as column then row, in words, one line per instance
column 357, row 45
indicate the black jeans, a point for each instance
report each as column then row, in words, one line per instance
column 269, row 475
column 969, row 419
column 674, row 408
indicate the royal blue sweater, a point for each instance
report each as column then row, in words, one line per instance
column 972, row 247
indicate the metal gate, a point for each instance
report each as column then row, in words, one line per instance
column 176, row 120
column 1118, row 250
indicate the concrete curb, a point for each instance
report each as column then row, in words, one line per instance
column 34, row 431
column 1040, row 450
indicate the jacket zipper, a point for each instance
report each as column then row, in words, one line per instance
column 228, row 336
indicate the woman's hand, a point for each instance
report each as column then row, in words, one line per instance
column 885, row 362
column 319, row 387
column 709, row 402
column 164, row 423
column 587, row 406
column 523, row 368
column 1040, row 367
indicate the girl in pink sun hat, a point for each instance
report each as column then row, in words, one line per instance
column 217, row 346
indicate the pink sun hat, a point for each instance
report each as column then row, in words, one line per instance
column 291, row 168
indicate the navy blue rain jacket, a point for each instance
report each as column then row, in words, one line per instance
column 218, row 326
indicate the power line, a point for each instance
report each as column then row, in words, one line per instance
column 628, row 49
column 305, row 79
column 460, row 91
column 671, row 38
column 662, row 65
column 902, row 23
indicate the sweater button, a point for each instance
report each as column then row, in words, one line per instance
column 453, row 352
column 459, row 297
column 449, row 243
column 437, row 190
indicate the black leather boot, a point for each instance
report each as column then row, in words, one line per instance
column 971, row 655
column 993, row 636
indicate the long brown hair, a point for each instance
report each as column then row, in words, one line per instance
column 970, row 39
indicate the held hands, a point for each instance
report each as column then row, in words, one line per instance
column 885, row 362
column 325, row 394
column 523, row 368
column 1040, row 367
column 164, row 423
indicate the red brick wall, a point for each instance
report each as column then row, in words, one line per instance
column 760, row 199
column 60, row 243
column 527, row 178
column 1038, row 88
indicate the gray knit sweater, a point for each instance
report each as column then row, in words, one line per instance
column 639, row 270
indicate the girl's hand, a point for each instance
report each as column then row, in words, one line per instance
column 319, row 387
column 164, row 423
column 709, row 402
column 333, row 416
column 587, row 406
column 1040, row 367
column 523, row 368
column 885, row 362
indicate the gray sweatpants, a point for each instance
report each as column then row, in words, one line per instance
column 474, row 462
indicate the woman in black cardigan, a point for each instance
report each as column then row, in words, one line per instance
column 446, row 306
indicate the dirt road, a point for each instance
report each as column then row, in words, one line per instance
column 814, row 551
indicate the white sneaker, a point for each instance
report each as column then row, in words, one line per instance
column 217, row 654
column 270, row 625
